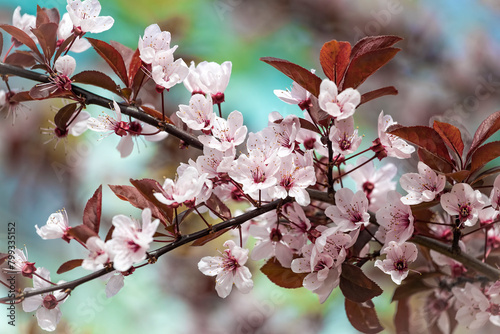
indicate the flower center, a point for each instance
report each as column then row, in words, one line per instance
column 400, row 265
column 464, row 211
column 49, row 302
column 133, row 246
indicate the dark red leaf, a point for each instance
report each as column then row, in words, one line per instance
column 334, row 58
column 365, row 65
column 300, row 75
column 1, row 43
column 148, row 187
column 372, row 43
column 22, row 37
column 486, row 173
column 112, row 57
column 92, row 211
column 210, row 237
column 375, row 94
column 69, row 265
column 21, row 97
column 283, row 277
column 484, row 154
column 64, row 115
column 305, row 124
column 64, row 45
column 126, row 52
column 402, row 317
column 215, row 204
column 458, row 176
column 134, row 67
column 426, row 138
column 21, row 59
column 433, row 162
column 41, row 16
column 451, row 136
column 110, row 233
column 356, row 286
column 47, row 38
column 362, row 316
column 485, row 130
column 96, row 78
column 81, row 233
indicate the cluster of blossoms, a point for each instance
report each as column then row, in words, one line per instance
column 291, row 162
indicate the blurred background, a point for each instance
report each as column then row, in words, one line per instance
column 448, row 69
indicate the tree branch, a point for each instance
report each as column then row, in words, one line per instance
column 158, row 252
column 92, row 98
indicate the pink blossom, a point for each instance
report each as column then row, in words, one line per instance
column 18, row 264
column 214, row 162
column 46, row 305
column 495, row 194
column 393, row 145
column 472, row 306
column 271, row 242
column 375, row 183
column 199, row 115
column 399, row 256
column 344, row 137
column 165, row 71
column 98, row 255
column 56, row 227
column 214, row 78
column 396, row 219
column 65, row 30
column 226, row 134
column 229, row 268
column 350, row 211
column 449, row 265
column 464, row 202
column 85, row 17
column 283, row 131
column 422, row 186
column 130, row 240
column 25, row 22
column 341, row 105
column 298, row 95
column 153, row 41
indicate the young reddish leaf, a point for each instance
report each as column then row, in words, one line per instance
column 22, row 37
column 372, row 43
column 402, row 317
column 64, row 45
column 215, row 204
column 362, row 316
column 156, row 114
column 46, row 15
column 21, row 59
column 112, row 57
column 210, row 237
column 484, row 154
column 375, row 94
column 47, row 38
column 69, row 265
column 126, row 52
column 458, row 176
column 110, row 233
column 334, row 58
column 300, row 75
column 81, row 233
column 21, row 97
column 451, row 136
column 486, row 173
column 134, row 67
column 64, row 115
column 92, row 211
column 1, row 43
column 356, row 286
column 283, row 277
column 96, row 78
column 305, row 124
column 426, row 138
column 485, row 130
column 434, row 162
column 365, row 65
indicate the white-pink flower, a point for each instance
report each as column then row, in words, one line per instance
column 98, row 255
column 229, row 268
column 57, row 226
column 199, row 114
column 341, row 105
column 166, row 72
column 65, row 30
column 25, row 22
column 214, row 162
column 18, row 264
column 226, row 134
column 283, row 131
column 422, row 186
column 464, row 202
column 472, row 306
column 344, row 136
column 495, row 194
column 130, row 240
column 350, row 211
column 46, row 305
column 393, row 145
column 399, row 256
column 298, row 95
column 375, row 182
column 214, row 78
column 85, row 17
column 153, row 41
column 396, row 219
column 271, row 242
